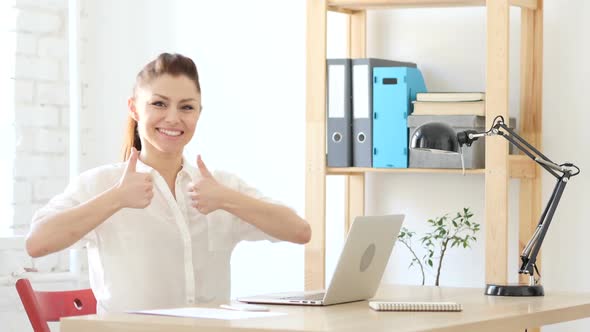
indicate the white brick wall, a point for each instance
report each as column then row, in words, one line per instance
column 53, row 93
column 35, row 21
column 23, row 192
column 50, row 5
column 37, row 166
column 24, row 91
column 41, row 140
column 55, row 47
column 26, row 43
column 39, row 29
column 41, row 92
column 36, row 68
column 13, row 260
column 38, row 116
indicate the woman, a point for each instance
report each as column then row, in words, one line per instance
column 160, row 232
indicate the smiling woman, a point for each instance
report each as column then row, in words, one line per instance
column 177, row 87
column 160, row 232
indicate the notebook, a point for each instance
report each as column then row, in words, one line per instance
column 450, row 96
column 449, row 108
column 415, row 306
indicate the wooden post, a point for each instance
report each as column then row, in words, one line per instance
column 315, row 166
column 354, row 192
column 496, row 175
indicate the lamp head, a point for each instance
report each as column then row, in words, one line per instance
column 435, row 137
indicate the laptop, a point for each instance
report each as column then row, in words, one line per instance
column 359, row 270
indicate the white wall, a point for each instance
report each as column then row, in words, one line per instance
column 565, row 102
column 251, row 68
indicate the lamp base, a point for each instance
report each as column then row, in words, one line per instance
column 514, row 290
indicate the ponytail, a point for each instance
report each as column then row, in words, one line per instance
column 131, row 138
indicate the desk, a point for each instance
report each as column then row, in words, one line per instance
column 480, row 313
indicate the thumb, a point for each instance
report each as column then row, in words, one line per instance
column 204, row 171
column 132, row 161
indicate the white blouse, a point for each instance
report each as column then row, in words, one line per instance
column 165, row 255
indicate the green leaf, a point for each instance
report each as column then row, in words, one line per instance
column 430, row 263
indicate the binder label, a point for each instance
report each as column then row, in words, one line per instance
column 360, row 91
column 336, row 89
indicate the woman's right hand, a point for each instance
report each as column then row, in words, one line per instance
column 135, row 189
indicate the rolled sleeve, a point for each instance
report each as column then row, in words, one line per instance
column 74, row 194
column 242, row 230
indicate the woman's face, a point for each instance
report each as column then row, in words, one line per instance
column 166, row 110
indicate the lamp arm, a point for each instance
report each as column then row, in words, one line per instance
column 567, row 170
column 528, row 256
column 527, row 148
column 469, row 136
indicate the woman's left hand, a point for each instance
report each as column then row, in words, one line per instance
column 207, row 194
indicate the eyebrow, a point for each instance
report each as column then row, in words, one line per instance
column 181, row 101
column 161, row 96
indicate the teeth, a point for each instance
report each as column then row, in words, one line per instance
column 170, row 132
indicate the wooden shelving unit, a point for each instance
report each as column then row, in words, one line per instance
column 499, row 165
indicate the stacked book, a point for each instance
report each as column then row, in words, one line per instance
column 450, row 103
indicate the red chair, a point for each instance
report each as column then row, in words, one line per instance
column 43, row 307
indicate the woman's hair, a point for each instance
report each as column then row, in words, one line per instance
column 165, row 63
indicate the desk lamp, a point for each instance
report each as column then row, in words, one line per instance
column 441, row 138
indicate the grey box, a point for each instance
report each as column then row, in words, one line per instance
column 474, row 156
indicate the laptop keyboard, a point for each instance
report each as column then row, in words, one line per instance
column 308, row 297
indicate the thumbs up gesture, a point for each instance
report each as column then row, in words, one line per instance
column 206, row 193
column 135, row 188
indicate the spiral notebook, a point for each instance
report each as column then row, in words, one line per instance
column 415, row 306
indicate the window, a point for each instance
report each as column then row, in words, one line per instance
column 7, row 133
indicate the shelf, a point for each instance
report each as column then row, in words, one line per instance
column 358, row 170
column 356, row 5
column 520, row 167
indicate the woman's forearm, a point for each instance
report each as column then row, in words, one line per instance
column 61, row 230
column 275, row 220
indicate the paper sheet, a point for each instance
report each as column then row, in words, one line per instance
column 223, row 314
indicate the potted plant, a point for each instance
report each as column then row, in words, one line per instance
column 446, row 234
